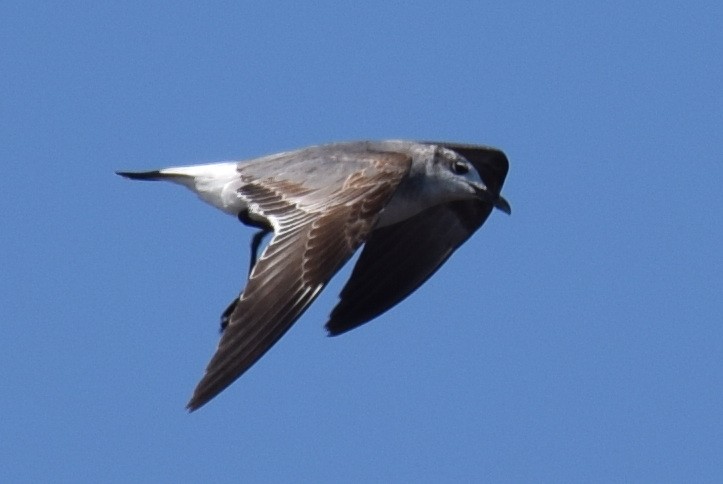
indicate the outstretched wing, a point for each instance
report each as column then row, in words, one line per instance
column 315, row 235
column 397, row 259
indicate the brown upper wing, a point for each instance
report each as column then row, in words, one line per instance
column 314, row 239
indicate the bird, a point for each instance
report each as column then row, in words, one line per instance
column 409, row 204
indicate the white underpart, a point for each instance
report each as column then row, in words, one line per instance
column 437, row 188
column 399, row 208
column 214, row 183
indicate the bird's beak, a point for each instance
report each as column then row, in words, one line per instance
column 496, row 200
column 503, row 205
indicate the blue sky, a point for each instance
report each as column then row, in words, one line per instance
column 580, row 339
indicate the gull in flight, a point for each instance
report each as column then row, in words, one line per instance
column 411, row 204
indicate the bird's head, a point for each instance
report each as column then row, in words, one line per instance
column 458, row 179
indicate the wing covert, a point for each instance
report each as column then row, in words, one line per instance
column 312, row 242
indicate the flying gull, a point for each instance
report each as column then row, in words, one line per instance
column 411, row 204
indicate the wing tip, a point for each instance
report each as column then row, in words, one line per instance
column 335, row 327
column 206, row 390
column 193, row 405
column 199, row 399
column 332, row 330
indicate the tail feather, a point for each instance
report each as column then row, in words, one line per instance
column 142, row 175
column 214, row 182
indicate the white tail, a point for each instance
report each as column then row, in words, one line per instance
column 213, row 182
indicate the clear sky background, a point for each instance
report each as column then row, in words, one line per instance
column 580, row 339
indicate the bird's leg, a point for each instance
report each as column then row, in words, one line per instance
column 258, row 237
column 255, row 243
column 227, row 314
column 256, row 240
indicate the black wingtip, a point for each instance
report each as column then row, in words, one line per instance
column 334, row 328
column 204, row 392
column 140, row 175
column 197, row 401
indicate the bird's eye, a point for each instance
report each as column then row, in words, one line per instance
column 460, row 167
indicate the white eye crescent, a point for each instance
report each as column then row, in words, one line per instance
column 460, row 167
